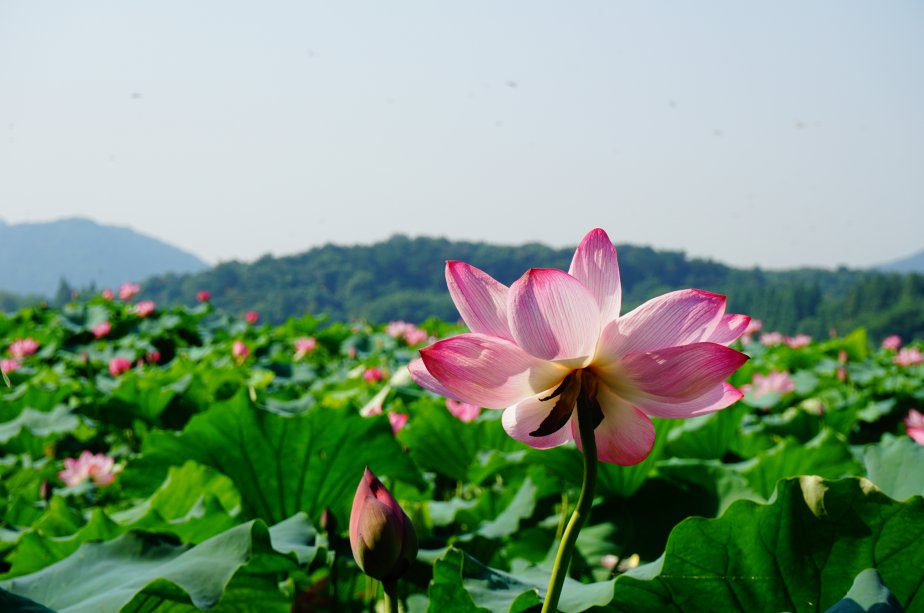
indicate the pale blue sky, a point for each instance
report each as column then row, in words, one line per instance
column 774, row 133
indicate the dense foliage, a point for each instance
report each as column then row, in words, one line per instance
column 236, row 458
column 402, row 278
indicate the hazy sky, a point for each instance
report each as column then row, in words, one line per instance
column 774, row 133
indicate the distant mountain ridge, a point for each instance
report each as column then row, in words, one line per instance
column 37, row 256
column 912, row 263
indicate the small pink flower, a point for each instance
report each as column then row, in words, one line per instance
column 914, row 426
column 373, row 374
column 152, row 357
column 754, row 326
column 414, row 336
column 204, row 295
column 251, row 317
column 798, row 341
column 239, row 350
column 463, row 410
column 23, row 347
column 304, row 346
column 411, row 334
column 9, row 365
column 892, row 343
column 107, row 294
column 398, row 421
column 907, row 356
column 98, row 467
column 102, row 329
column 144, row 308
column 770, row 339
column 118, row 366
column 775, row 382
column 128, row 290
column 395, row 329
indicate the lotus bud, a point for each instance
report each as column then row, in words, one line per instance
column 382, row 536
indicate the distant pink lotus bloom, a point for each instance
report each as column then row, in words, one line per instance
column 373, row 375
column 907, row 356
column 23, row 347
column 128, row 290
column 118, row 366
column 239, row 350
column 411, row 334
column 251, row 317
column 397, row 421
column 770, row 339
column 462, row 410
column 304, row 346
column 414, row 336
column 107, row 294
column 754, row 326
column 7, row 365
column 144, row 308
column 914, row 426
column 556, row 338
column 204, row 295
column 395, row 329
column 774, row 382
column 798, row 341
column 892, row 343
column 102, row 329
column 98, row 468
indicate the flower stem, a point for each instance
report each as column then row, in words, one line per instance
column 585, row 416
column 391, row 595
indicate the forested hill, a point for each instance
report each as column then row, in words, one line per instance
column 402, row 278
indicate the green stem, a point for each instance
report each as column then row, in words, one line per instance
column 585, row 416
column 391, row 595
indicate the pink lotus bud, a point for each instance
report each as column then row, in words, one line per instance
column 914, row 426
column 144, row 308
column 23, row 347
column 304, row 346
column 107, row 294
column 382, row 537
column 102, row 329
column 239, row 350
column 128, row 290
column 373, row 374
column 462, row 410
column 117, row 366
column 398, row 421
column 204, row 296
column 251, row 317
column 892, row 343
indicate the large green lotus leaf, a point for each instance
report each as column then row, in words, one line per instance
column 826, row 455
column 801, row 552
column 39, row 423
column 106, row 576
column 707, row 437
column 896, row 466
column 283, row 464
column 867, row 595
column 11, row 603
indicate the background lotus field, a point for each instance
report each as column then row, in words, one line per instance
column 238, row 446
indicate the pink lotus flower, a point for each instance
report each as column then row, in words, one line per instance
column 395, row 329
column 9, row 365
column 914, row 426
column 892, row 343
column 107, row 294
column 907, row 356
column 251, row 317
column 411, row 334
column 128, row 290
column 770, row 339
column 304, row 346
column 118, row 366
column 778, row 382
column 373, row 375
column 98, row 467
column 239, row 350
column 382, row 536
column 462, row 410
column 204, row 296
column 397, row 421
column 144, row 308
column 754, row 326
column 552, row 337
column 798, row 341
column 23, row 347
column 102, row 329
